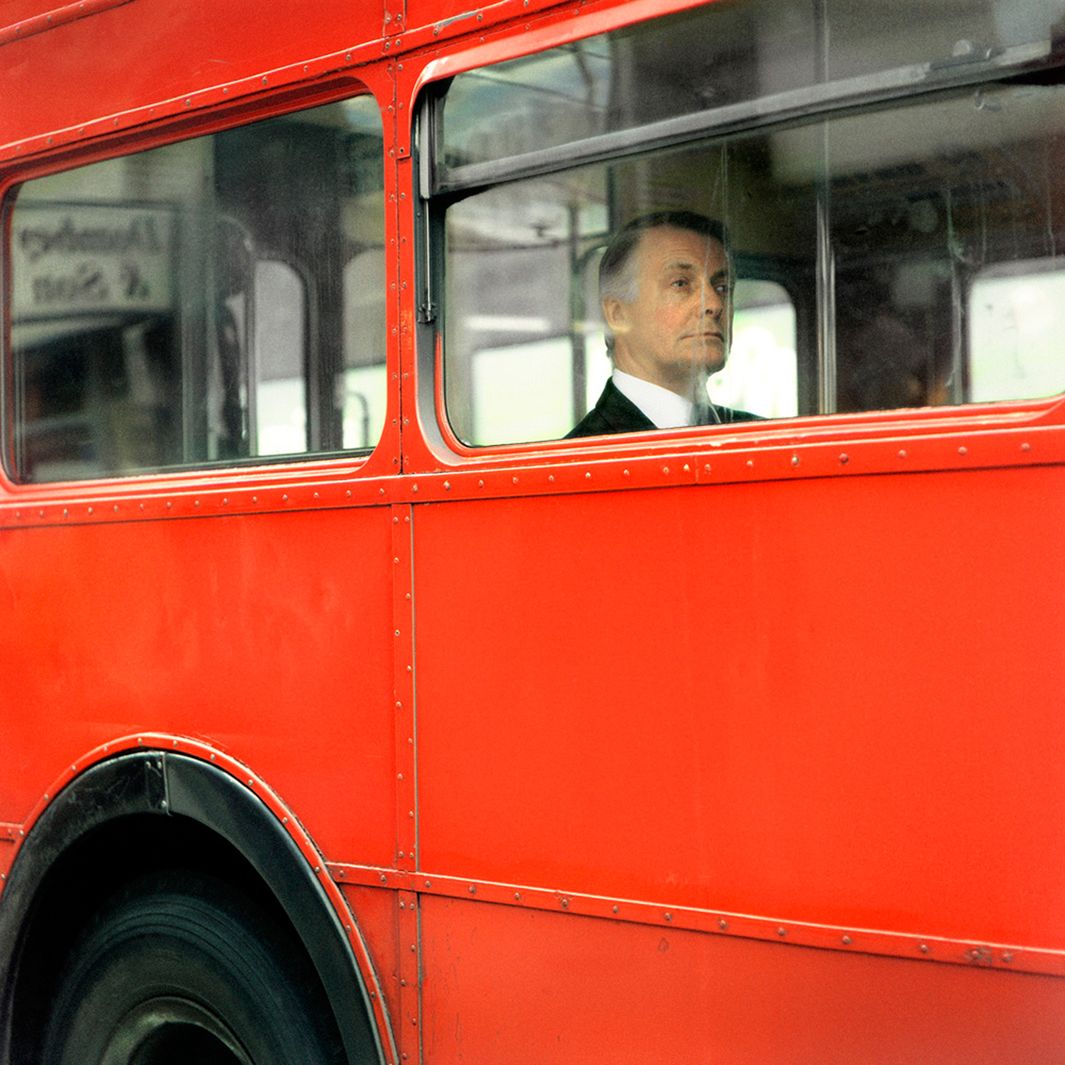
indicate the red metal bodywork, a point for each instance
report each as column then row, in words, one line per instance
column 656, row 750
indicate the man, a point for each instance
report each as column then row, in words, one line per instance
column 665, row 286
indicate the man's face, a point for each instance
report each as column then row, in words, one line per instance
column 678, row 327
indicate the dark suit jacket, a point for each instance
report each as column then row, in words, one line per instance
column 615, row 413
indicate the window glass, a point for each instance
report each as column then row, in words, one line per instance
column 216, row 300
column 761, row 373
column 1017, row 321
column 730, row 52
column 900, row 256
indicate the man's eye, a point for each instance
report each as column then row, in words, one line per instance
column 681, row 282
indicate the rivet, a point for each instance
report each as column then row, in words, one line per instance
column 668, row 916
column 514, row 480
column 447, row 486
column 923, row 948
column 782, row 932
column 665, row 470
column 722, row 923
column 564, row 903
column 902, row 453
column 615, row 909
column 1007, row 957
column 263, row 79
column 428, row 883
column 480, row 484
column 963, row 450
column 225, row 501
column 397, row 632
column 90, row 511
column 846, row 941
column 624, row 473
column 795, row 460
column 395, row 560
column 750, row 464
column 551, row 477
column 517, row 896
column 1026, row 447
column 844, row 458
column 347, row 57
column 284, row 498
column 399, row 776
column 414, row 488
column 587, row 476
column 473, row 889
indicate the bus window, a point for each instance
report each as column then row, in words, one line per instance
column 856, row 229
column 192, row 304
column 1017, row 315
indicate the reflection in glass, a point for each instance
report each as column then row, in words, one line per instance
column 726, row 53
column 189, row 305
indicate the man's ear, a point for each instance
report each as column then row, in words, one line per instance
column 616, row 315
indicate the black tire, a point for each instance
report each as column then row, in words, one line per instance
column 184, row 970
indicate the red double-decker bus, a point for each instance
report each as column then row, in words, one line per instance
column 371, row 690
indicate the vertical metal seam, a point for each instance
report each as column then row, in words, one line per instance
column 409, row 1020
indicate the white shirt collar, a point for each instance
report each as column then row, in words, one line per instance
column 666, row 409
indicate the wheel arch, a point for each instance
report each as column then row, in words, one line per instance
column 152, row 807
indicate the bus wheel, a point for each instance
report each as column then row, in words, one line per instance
column 182, row 968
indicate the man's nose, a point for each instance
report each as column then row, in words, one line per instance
column 712, row 302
